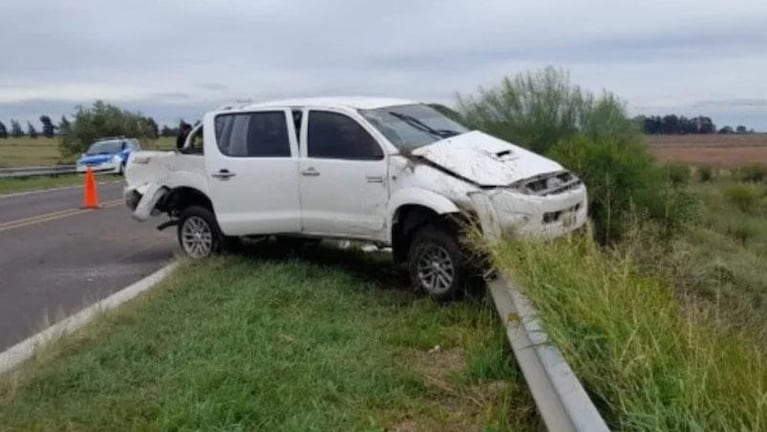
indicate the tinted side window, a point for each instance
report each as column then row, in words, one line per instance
column 260, row 134
column 336, row 136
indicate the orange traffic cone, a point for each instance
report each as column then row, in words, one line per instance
column 91, row 197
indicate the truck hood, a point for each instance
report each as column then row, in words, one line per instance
column 485, row 160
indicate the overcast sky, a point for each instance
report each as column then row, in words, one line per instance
column 172, row 59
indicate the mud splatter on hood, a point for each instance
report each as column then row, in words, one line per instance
column 486, row 160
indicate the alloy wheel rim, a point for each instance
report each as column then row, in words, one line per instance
column 196, row 237
column 435, row 268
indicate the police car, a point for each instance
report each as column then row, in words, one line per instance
column 108, row 155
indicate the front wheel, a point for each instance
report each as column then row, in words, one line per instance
column 198, row 232
column 437, row 264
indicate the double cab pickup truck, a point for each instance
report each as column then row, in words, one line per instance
column 392, row 172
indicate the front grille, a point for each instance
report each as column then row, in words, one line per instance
column 548, row 184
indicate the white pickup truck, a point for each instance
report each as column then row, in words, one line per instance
column 392, row 172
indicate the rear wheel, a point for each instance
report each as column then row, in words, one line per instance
column 436, row 263
column 198, row 232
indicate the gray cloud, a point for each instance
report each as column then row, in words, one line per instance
column 184, row 55
column 212, row 86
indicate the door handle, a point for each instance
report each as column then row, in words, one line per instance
column 310, row 172
column 374, row 179
column 223, row 174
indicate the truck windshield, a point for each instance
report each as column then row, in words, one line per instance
column 105, row 147
column 411, row 126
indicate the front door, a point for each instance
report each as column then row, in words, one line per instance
column 252, row 166
column 343, row 177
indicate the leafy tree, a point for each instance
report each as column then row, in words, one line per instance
column 670, row 124
column 101, row 120
column 168, row 131
column 31, row 130
column 64, row 125
column 741, row 129
column 540, row 109
column 3, row 131
column 16, row 130
column 48, row 127
column 726, row 130
column 673, row 124
column 152, row 125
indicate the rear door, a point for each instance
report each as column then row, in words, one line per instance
column 343, row 177
column 252, row 166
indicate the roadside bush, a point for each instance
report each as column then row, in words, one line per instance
column 743, row 196
column 741, row 231
column 539, row 109
column 705, row 174
column 102, row 120
column 752, row 173
column 623, row 181
column 593, row 136
column 678, row 174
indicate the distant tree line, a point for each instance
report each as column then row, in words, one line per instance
column 133, row 124
column 672, row 124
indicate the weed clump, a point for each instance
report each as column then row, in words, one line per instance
column 678, row 174
column 743, row 196
column 752, row 173
column 705, row 174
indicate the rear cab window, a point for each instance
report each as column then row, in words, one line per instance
column 253, row 134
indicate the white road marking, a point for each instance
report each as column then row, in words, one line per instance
column 24, row 350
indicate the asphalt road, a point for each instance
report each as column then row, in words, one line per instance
column 56, row 258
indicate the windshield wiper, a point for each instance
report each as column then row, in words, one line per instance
column 418, row 124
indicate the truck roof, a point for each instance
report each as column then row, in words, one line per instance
column 355, row 102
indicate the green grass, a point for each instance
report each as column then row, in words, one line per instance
column 724, row 252
column 272, row 340
column 12, row 185
column 652, row 357
column 25, row 151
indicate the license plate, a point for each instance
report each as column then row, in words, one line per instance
column 568, row 219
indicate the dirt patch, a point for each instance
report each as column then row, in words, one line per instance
column 458, row 405
column 719, row 151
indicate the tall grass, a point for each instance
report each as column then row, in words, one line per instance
column 653, row 359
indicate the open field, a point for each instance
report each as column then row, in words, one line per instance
column 719, row 151
column 16, row 152
column 278, row 340
column 25, row 151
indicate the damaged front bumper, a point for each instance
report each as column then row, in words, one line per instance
column 504, row 212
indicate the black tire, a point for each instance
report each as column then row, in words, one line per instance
column 437, row 264
column 198, row 233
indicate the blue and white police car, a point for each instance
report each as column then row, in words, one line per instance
column 108, row 155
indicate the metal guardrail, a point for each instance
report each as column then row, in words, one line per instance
column 37, row 171
column 559, row 396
